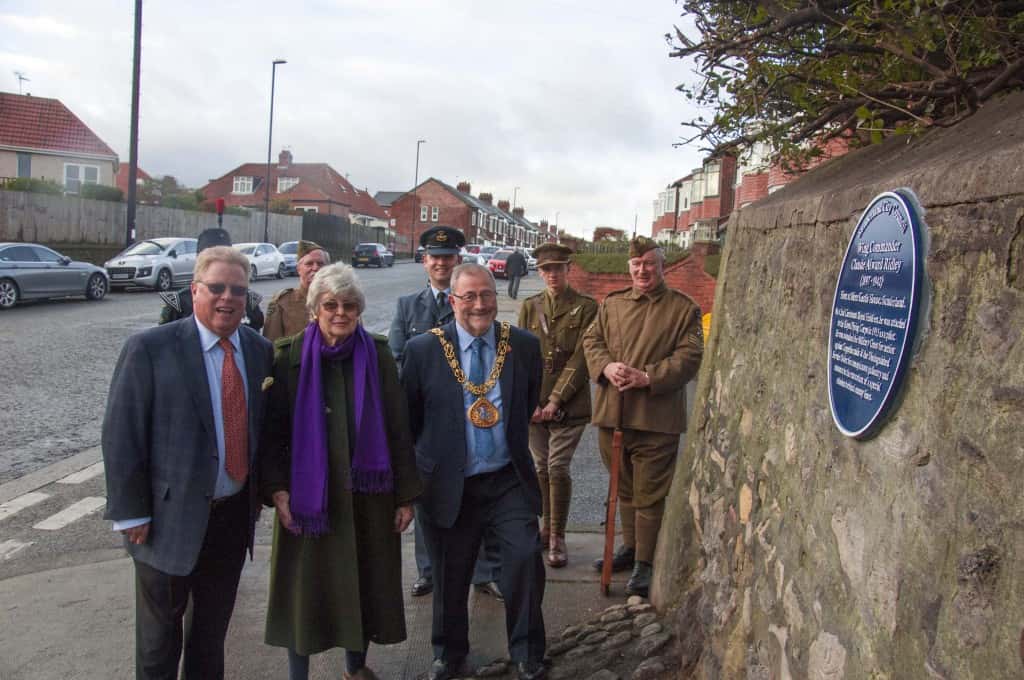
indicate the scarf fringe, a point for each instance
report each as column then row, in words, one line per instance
column 310, row 525
column 372, row 481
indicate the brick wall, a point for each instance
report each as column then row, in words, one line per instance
column 687, row 276
column 753, row 187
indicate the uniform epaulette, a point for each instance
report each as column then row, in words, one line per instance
column 277, row 296
column 283, row 343
column 620, row 291
column 535, row 295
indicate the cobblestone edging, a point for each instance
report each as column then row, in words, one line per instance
column 624, row 642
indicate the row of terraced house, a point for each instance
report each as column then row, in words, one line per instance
column 697, row 206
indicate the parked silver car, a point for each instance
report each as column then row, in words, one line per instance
column 289, row 250
column 264, row 259
column 29, row 271
column 160, row 263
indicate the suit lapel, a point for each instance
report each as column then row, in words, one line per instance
column 429, row 302
column 194, row 372
column 254, row 378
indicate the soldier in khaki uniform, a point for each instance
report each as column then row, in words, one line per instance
column 558, row 316
column 286, row 311
column 645, row 345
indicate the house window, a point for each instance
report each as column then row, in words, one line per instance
column 423, row 213
column 306, row 208
column 286, row 183
column 472, row 219
column 24, row 164
column 242, row 185
column 696, row 188
column 76, row 175
column 434, row 214
column 711, row 175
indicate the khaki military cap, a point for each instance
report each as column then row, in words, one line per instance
column 640, row 245
column 305, row 248
column 552, row 253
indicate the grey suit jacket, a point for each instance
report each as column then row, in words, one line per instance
column 417, row 313
column 159, row 442
column 438, row 418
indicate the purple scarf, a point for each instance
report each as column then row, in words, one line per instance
column 371, row 460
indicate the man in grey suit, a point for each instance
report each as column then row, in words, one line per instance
column 179, row 446
column 418, row 313
column 472, row 386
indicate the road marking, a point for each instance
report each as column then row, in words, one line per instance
column 71, row 513
column 83, row 475
column 10, row 548
column 20, row 503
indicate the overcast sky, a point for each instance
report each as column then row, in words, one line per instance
column 571, row 101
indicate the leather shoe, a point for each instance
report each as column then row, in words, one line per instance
column 622, row 560
column 640, row 581
column 444, row 670
column 424, row 585
column 490, row 588
column 557, row 556
column 531, row 670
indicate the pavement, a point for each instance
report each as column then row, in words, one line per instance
column 74, row 616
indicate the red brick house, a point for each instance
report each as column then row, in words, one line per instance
column 308, row 187
column 435, row 203
column 694, row 206
column 121, row 178
column 42, row 139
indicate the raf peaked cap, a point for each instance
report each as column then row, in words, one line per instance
column 640, row 245
column 305, row 248
column 552, row 253
column 442, row 241
column 212, row 237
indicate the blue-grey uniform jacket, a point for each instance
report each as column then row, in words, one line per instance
column 417, row 313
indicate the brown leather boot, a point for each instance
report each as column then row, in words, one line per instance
column 557, row 556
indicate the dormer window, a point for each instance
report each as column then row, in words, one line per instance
column 242, row 185
column 286, row 183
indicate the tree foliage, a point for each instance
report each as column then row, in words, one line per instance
column 788, row 71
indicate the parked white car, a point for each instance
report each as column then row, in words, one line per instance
column 160, row 263
column 264, row 259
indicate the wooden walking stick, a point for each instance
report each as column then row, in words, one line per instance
column 611, row 505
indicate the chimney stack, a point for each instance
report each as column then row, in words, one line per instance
column 486, row 198
column 464, row 188
column 284, row 159
column 518, row 212
column 544, row 225
column 503, row 205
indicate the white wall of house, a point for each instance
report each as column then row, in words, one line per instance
column 53, row 166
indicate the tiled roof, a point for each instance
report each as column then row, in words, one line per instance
column 387, row 198
column 46, row 124
column 317, row 182
column 121, row 178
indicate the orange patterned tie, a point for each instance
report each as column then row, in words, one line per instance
column 235, row 415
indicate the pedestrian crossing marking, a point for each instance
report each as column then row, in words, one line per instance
column 23, row 501
column 83, row 475
column 71, row 513
column 10, row 548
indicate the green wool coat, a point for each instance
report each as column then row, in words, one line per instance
column 342, row 589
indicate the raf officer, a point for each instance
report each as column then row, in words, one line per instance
column 286, row 311
column 418, row 313
column 178, row 303
column 558, row 316
column 642, row 349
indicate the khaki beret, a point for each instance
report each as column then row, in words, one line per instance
column 640, row 245
column 305, row 248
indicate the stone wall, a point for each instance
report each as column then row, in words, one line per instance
column 791, row 551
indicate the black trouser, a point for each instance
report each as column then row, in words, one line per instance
column 490, row 502
column 513, row 285
column 161, row 600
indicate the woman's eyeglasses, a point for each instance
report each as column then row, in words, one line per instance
column 331, row 306
column 487, row 297
column 219, row 288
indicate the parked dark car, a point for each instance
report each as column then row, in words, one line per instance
column 366, row 254
column 419, row 254
column 29, row 271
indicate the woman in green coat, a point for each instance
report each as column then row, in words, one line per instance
column 337, row 463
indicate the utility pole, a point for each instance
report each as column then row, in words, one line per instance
column 133, row 139
column 415, row 201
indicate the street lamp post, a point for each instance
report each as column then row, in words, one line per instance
column 270, row 142
column 415, row 200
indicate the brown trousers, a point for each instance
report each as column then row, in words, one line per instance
column 552, row 446
column 645, row 476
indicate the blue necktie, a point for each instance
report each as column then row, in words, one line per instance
column 482, row 437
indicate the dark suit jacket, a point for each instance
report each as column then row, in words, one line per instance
column 417, row 313
column 437, row 418
column 159, row 442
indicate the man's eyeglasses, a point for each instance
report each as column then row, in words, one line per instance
column 331, row 306
column 219, row 288
column 487, row 297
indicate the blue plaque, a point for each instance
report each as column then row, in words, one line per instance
column 874, row 313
